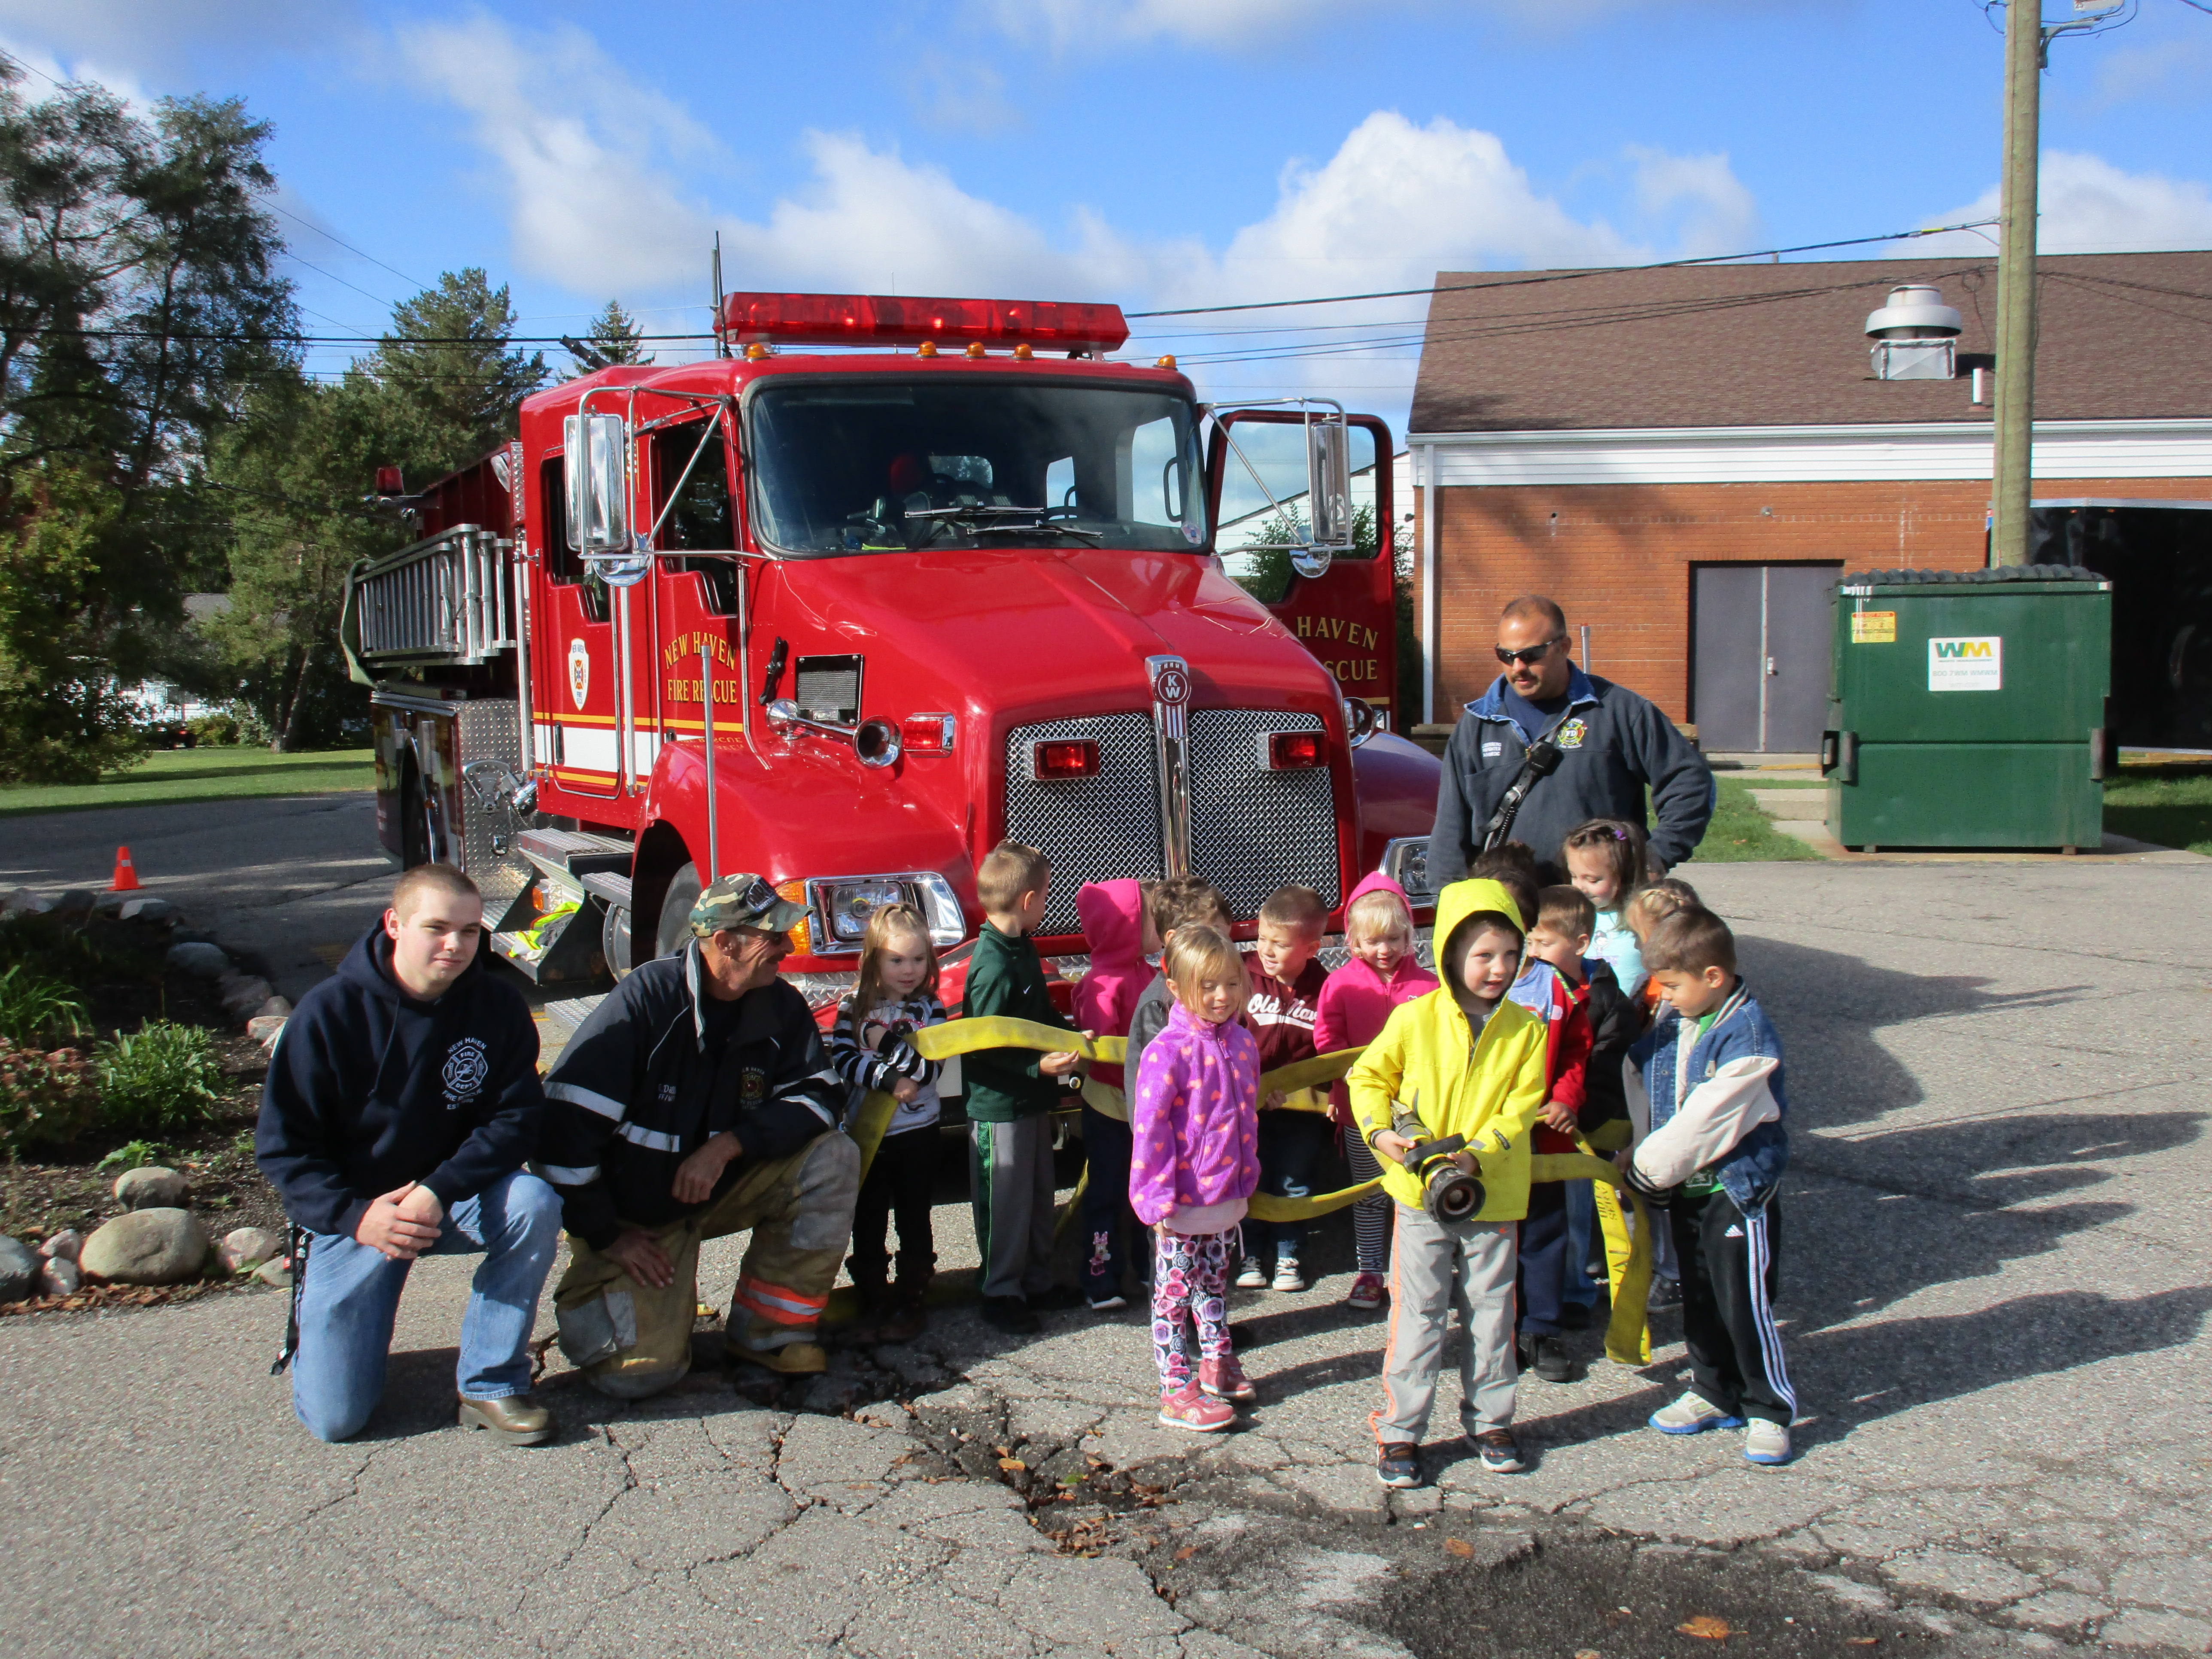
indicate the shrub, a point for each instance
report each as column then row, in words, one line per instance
column 164, row 1076
column 45, row 1099
column 36, row 1007
column 133, row 1155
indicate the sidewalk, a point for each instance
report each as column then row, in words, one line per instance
column 1996, row 1291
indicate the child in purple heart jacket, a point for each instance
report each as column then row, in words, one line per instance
column 1195, row 1162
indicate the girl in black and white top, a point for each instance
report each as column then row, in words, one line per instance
column 897, row 995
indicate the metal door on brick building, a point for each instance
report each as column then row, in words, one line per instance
column 1759, row 663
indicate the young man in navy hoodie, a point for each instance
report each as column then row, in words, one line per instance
column 401, row 1104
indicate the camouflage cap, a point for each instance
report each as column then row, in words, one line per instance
column 744, row 900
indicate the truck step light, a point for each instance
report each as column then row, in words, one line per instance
column 1290, row 752
column 1058, row 759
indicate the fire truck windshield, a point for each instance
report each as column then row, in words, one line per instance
column 867, row 464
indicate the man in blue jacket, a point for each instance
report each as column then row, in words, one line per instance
column 1613, row 746
column 401, row 1104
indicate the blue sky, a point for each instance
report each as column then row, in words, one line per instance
column 1153, row 152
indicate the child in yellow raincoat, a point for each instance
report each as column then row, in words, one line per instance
column 1465, row 1061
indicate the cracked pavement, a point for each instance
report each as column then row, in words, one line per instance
column 1995, row 1295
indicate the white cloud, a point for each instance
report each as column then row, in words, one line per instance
column 2176, row 69
column 154, row 39
column 1072, row 26
column 590, row 204
column 2086, row 205
column 1718, row 213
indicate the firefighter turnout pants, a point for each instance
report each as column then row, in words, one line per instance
column 631, row 1340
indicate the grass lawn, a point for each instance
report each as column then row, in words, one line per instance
column 225, row 773
column 2166, row 805
column 1739, row 833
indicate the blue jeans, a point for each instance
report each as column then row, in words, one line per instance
column 351, row 1294
column 1292, row 1145
column 1581, row 1223
column 1107, row 1222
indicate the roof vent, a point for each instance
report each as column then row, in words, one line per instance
column 1914, row 336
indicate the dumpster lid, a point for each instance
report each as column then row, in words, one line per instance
column 1861, row 581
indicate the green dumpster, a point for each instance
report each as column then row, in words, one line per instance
column 1966, row 708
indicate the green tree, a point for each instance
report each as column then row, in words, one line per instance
column 613, row 337
column 447, row 379
column 139, row 304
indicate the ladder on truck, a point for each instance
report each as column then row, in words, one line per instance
column 449, row 599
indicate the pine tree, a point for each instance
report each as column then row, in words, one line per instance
column 446, row 376
column 612, row 339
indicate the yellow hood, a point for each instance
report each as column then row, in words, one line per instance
column 1488, row 1089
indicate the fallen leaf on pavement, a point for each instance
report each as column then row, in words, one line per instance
column 1704, row 1625
column 1586, row 1653
column 1458, row 1547
column 1861, row 1641
column 1185, row 1551
column 1010, row 1464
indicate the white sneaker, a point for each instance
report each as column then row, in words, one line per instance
column 1253, row 1276
column 1693, row 1414
column 1765, row 1442
column 1287, row 1275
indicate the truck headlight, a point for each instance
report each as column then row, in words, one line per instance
column 1405, row 861
column 841, row 905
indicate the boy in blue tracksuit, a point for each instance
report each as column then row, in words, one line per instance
column 1714, row 1155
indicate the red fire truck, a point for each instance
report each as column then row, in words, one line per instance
column 884, row 582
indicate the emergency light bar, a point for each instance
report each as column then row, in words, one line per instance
column 892, row 320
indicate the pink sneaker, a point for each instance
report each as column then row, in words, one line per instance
column 1189, row 1409
column 1225, row 1379
column 1366, row 1293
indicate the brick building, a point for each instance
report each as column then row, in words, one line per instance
column 1686, row 459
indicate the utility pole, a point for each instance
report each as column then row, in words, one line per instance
column 2015, row 343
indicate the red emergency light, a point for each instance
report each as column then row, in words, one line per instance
column 1058, row 758
column 1290, row 752
column 893, row 321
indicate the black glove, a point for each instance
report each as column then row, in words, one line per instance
column 1657, row 1196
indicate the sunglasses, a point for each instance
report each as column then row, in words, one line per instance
column 1529, row 654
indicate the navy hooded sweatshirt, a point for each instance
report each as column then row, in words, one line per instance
column 370, row 1089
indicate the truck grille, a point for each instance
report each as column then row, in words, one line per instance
column 1105, row 828
column 1252, row 830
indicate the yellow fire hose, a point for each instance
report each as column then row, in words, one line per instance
column 1304, row 1083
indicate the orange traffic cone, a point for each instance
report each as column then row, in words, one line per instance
column 126, row 877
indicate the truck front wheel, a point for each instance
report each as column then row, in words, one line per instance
column 674, row 925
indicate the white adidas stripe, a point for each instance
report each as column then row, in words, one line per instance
column 1762, row 1311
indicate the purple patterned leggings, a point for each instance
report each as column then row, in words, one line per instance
column 1190, row 1284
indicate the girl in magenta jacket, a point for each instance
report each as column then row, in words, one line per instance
column 1195, row 1162
column 1355, row 1005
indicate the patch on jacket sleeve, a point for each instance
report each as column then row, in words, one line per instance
column 752, row 1086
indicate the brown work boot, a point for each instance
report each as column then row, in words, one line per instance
column 515, row 1420
column 792, row 1360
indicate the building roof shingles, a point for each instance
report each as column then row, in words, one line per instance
column 2122, row 337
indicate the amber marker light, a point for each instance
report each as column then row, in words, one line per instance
column 802, row 936
column 1023, row 351
column 1167, row 360
column 975, row 348
column 756, row 351
column 927, row 348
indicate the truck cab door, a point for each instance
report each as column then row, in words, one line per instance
column 572, row 655
column 1347, row 614
column 689, row 469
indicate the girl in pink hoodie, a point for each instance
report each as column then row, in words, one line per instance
column 1120, row 934
column 1195, row 1163
column 1355, row 1005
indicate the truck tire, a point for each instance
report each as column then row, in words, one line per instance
column 616, row 940
column 674, row 925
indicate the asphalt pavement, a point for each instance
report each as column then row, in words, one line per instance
column 1996, row 1283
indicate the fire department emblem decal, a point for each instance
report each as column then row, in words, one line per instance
column 467, row 1067
column 1572, row 733
column 752, row 1086
column 579, row 670
column 1172, row 687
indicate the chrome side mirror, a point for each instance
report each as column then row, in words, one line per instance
column 1328, row 493
column 596, row 466
column 1360, row 720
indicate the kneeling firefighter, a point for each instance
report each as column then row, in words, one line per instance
column 696, row 1102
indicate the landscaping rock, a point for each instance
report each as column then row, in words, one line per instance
column 244, row 1249
column 109, row 903
column 19, row 1270
column 276, row 1274
column 64, row 1246
column 276, row 1008
column 60, row 1278
column 151, row 1187
column 74, row 903
column 25, row 902
column 242, row 997
column 198, row 958
column 266, row 1029
column 147, row 1247
column 139, row 907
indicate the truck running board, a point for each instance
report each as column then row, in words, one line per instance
column 580, row 877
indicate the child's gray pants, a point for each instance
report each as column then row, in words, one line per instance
column 1434, row 1267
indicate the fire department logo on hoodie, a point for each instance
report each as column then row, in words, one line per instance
column 1572, row 733
column 467, row 1067
column 579, row 670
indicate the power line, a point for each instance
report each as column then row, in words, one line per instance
column 347, row 245
column 1563, row 275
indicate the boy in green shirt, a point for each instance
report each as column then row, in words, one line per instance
column 1011, row 1095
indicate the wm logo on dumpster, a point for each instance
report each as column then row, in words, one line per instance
column 1963, row 648
column 1968, row 663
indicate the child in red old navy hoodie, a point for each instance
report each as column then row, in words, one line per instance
column 1355, row 1006
column 1286, row 978
column 1119, row 932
